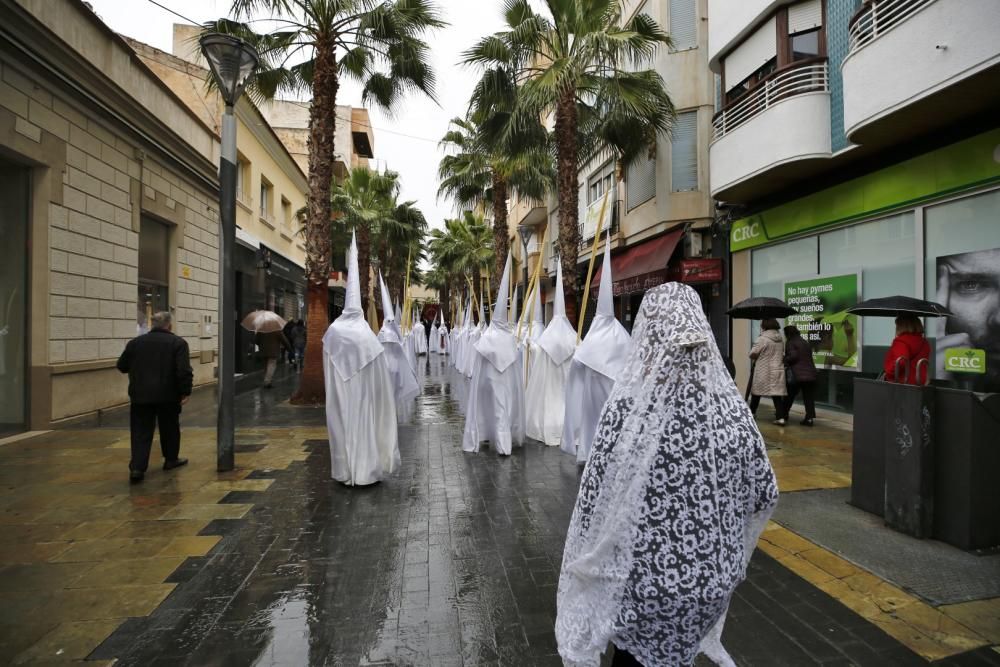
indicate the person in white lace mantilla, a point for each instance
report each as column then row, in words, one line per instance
column 674, row 495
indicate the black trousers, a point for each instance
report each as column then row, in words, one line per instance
column 142, row 422
column 808, row 398
column 778, row 405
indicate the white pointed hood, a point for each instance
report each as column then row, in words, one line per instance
column 398, row 313
column 607, row 343
column 390, row 332
column 349, row 343
column 559, row 338
column 480, row 317
column 497, row 344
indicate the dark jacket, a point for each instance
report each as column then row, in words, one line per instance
column 912, row 347
column 799, row 357
column 298, row 336
column 271, row 344
column 159, row 368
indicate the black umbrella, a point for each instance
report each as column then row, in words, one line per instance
column 894, row 306
column 760, row 308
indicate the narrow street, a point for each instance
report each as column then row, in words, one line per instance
column 452, row 561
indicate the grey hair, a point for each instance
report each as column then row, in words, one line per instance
column 162, row 320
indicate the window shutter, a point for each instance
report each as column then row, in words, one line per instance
column 749, row 56
column 640, row 182
column 684, row 152
column 684, row 24
column 805, row 16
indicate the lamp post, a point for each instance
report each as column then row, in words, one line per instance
column 525, row 232
column 232, row 61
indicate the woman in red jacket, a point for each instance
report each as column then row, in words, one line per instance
column 910, row 346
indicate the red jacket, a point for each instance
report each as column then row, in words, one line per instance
column 912, row 347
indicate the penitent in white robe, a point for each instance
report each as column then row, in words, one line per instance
column 404, row 380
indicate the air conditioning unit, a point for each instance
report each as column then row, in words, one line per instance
column 694, row 244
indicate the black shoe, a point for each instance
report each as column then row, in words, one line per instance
column 176, row 463
column 135, row 476
column 806, row 422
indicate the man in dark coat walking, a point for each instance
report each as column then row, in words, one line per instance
column 159, row 383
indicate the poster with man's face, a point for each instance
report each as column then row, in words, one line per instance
column 968, row 344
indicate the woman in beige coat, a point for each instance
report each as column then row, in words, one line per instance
column 769, row 371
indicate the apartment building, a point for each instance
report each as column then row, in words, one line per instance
column 108, row 193
column 660, row 209
column 269, row 257
column 856, row 152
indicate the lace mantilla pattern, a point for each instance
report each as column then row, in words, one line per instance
column 676, row 488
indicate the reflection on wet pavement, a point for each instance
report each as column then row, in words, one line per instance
column 452, row 561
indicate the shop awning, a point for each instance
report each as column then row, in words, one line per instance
column 641, row 264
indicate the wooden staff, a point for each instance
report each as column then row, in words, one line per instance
column 590, row 266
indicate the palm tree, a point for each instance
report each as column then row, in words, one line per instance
column 580, row 61
column 400, row 238
column 364, row 203
column 376, row 42
column 464, row 247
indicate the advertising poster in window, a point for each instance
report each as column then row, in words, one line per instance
column 833, row 334
column 968, row 344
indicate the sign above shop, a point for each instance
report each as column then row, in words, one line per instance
column 696, row 271
column 641, row 283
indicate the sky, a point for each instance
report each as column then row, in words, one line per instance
column 407, row 141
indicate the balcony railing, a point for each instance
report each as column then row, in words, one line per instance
column 876, row 17
column 805, row 76
column 587, row 235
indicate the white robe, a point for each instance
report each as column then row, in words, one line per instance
column 404, row 380
column 495, row 407
column 419, row 338
column 586, row 393
column 434, row 344
column 545, row 398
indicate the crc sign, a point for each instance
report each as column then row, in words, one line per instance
column 747, row 233
column 965, row 360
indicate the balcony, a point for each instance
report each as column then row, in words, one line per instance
column 918, row 65
column 762, row 138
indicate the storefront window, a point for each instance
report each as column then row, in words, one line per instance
column 13, row 297
column 154, row 272
column 962, row 272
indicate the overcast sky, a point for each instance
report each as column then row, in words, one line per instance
column 406, row 142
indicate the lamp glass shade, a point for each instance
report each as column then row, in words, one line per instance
column 525, row 232
column 232, row 61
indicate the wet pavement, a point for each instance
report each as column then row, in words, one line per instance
column 454, row 560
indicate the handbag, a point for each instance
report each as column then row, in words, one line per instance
column 790, row 376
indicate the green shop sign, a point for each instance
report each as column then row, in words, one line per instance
column 965, row 360
column 960, row 166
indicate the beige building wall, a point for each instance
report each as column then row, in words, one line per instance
column 263, row 157
column 100, row 161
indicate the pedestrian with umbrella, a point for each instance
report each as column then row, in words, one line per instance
column 800, row 374
column 269, row 338
column 770, row 347
column 909, row 355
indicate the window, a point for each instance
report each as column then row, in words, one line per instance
column 286, row 211
column 242, row 176
column 266, row 199
column 752, row 60
column 684, row 152
column 684, row 24
column 154, row 271
column 640, row 182
column 601, row 181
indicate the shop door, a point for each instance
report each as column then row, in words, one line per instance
column 154, row 272
column 14, row 198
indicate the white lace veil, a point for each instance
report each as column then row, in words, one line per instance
column 677, row 478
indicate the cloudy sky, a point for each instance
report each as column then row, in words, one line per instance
column 405, row 142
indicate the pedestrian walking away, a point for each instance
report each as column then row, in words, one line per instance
column 158, row 365
column 298, row 340
column 649, row 565
column 271, row 345
column 800, row 374
column 769, row 370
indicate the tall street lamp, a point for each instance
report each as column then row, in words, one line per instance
column 525, row 232
column 232, row 61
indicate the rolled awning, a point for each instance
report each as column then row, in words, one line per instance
column 648, row 258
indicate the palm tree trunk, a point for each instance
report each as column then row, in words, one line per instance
column 364, row 262
column 500, row 231
column 322, row 126
column 569, row 198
